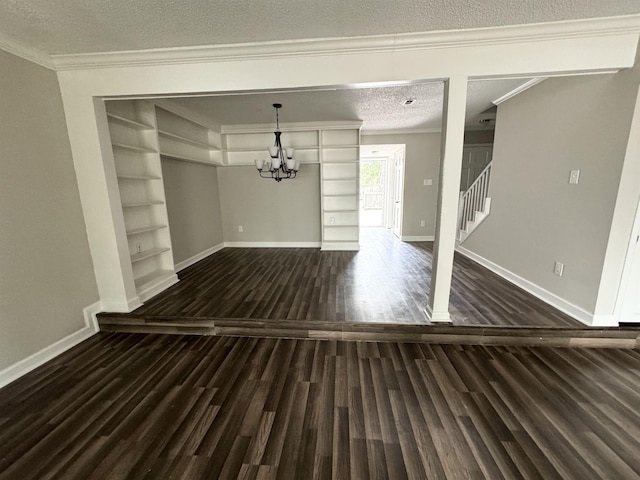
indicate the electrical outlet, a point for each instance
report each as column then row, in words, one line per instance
column 139, row 248
column 422, row 223
column 240, row 228
column 574, row 177
column 332, row 220
column 427, row 182
column 558, row 268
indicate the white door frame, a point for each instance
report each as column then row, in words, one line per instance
column 627, row 300
column 398, row 184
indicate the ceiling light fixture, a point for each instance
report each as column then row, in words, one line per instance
column 282, row 165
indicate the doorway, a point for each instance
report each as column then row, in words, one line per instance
column 382, row 186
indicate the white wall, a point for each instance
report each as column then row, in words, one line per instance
column 46, row 275
column 193, row 206
column 288, row 211
column 422, row 161
column 537, row 217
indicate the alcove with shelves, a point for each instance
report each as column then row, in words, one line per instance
column 134, row 140
column 340, row 153
column 181, row 138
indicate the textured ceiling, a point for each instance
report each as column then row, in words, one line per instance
column 378, row 108
column 83, row 26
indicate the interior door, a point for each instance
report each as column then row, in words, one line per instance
column 474, row 161
column 398, row 191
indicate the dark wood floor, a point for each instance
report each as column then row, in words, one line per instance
column 134, row 406
column 386, row 281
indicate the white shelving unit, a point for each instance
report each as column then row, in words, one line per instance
column 244, row 145
column 183, row 139
column 132, row 127
column 340, row 156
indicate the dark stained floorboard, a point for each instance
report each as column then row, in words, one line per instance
column 135, row 406
column 387, row 281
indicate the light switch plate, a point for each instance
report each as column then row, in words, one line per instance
column 427, row 182
column 558, row 268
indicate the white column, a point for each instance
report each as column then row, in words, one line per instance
column 453, row 113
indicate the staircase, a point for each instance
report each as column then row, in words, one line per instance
column 474, row 205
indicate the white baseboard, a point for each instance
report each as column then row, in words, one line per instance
column 604, row 321
column 24, row 366
column 272, row 244
column 546, row 296
column 442, row 318
column 121, row 307
column 196, row 258
column 156, row 288
column 340, row 246
column 417, row 238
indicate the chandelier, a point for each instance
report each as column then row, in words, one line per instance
column 282, row 165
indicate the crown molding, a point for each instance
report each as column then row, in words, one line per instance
column 400, row 131
column 606, row 26
column 518, row 90
column 23, row 51
column 289, row 127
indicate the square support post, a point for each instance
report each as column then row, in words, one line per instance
column 453, row 116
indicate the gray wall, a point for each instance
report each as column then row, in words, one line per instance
column 537, row 217
column 422, row 161
column 193, row 206
column 46, row 274
column 288, row 211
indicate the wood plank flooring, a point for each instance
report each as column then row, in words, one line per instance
column 387, row 281
column 133, row 406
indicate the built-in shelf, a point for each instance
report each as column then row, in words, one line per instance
column 150, row 228
column 186, row 158
column 350, row 210
column 339, row 146
column 180, row 138
column 340, row 194
column 346, row 225
column 133, row 148
column 142, row 204
column 154, row 277
column 136, row 257
column 139, row 177
column 127, row 122
column 265, row 150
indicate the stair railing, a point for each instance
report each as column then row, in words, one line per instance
column 474, row 199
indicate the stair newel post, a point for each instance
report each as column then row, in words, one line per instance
column 460, row 210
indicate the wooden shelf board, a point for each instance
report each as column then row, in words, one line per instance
column 127, row 122
column 184, row 158
column 180, row 138
column 341, row 211
column 133, row 148
column 150, row 228
column 139, row 177
column 142, row 204
column 143, row 282
column 265, row 150
column 136, row 257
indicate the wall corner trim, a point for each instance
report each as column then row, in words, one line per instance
column 33, row 361
column 546, row 296
column 199, row 256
